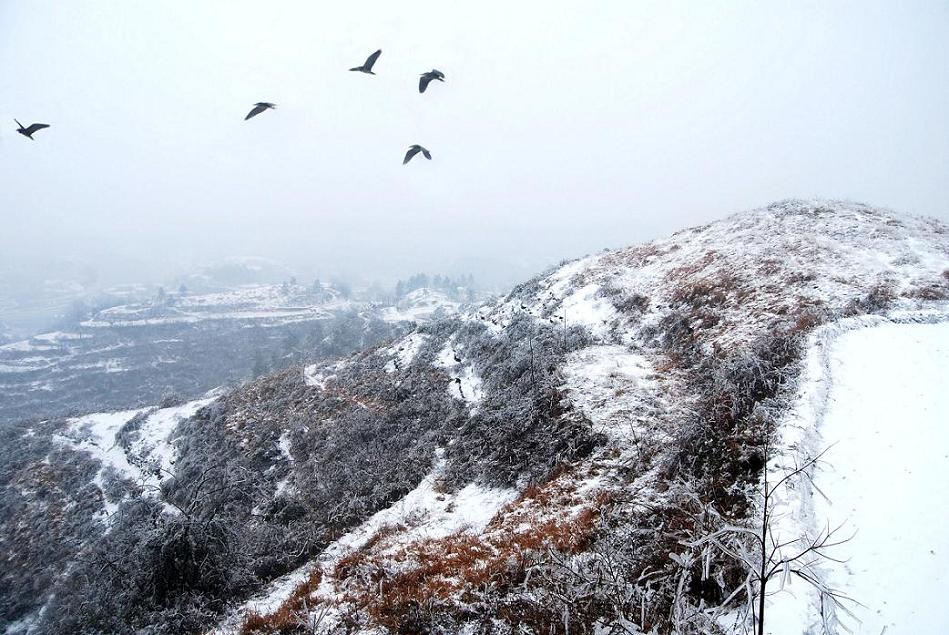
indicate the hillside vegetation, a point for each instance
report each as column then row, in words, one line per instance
column 536, row 465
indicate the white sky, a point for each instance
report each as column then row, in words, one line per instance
column 564, row 127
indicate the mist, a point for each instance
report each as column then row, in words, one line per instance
column 563, row 128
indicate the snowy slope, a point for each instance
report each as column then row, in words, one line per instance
column 744, row 274
column 712, row 292
column 556, row 463
column 421, row 305
column 146, row 458
column 881, row 407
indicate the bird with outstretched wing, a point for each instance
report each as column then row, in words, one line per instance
column 415, row 149
column 258, row 108
column 27, row 131
column 426, row 78
column 367, row 66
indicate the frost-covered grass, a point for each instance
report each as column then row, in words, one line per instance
column 614, row 387
column 737, row 278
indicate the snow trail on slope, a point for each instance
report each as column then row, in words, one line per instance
column 881, row 410
column 465, row 384
column 890, row 474
column 428, row 513
column 150, row 447
column 404, row 351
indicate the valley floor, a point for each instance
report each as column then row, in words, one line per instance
column 885, row 477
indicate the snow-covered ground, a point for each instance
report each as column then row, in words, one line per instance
column 612, row 386
column 878, row 399
column 317, row 377
column 464, row 384
column 150, row 452
column 421, row 305
column 404, row 351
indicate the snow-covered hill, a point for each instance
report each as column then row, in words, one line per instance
column 655, row 315
column 422, row 305
column 583, row 455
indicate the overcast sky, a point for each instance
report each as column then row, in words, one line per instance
column 563, row 128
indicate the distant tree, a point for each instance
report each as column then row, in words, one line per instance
column 376, row 292
column 161, row 296
column 182, row 290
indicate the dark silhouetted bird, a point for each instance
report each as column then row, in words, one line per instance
column 370, row 61
column 415, row 149
column 258, row 108
column 427, row 78
column 28, row 131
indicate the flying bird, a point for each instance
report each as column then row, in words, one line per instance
column 426, row 79
column 28, row 131
column 370, row 61
column 415, row 149
column 258, row 108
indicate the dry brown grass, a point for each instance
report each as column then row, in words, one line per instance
column 435, row 571
column 933, row 291
column 688, row 271
column 290, row 617
column 390, row 584
column 804, row 321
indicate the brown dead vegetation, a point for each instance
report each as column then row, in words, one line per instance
column 691, row 269
column 932, row 291
column 290, row 617
column 392, row 584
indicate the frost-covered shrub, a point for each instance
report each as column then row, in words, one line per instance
column 721, row 448
column 879, row 298
column 520, row 429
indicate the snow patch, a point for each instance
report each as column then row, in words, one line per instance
column 150, row 454
column 317, row 376
column 612, row 386
column 464, row 383
column 404, row 351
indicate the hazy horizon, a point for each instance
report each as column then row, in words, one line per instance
column 558, row 132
